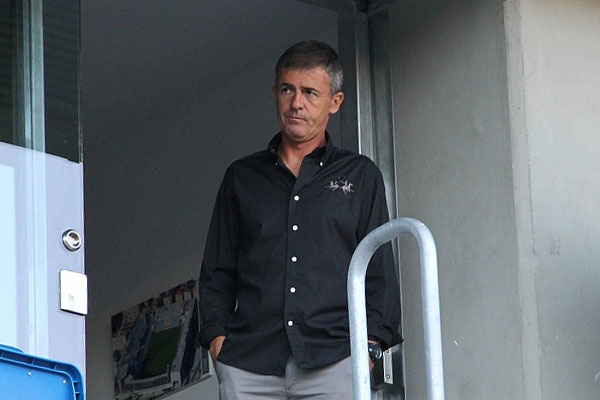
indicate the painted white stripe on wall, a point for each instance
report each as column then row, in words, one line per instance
column 8, row 257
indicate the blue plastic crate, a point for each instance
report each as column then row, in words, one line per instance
column 25, row 377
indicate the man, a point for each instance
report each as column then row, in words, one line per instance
column 286, row 221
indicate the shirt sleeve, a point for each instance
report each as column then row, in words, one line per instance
column 218, row 272
column 382, row 288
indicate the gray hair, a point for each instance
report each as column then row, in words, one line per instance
column 312, row 54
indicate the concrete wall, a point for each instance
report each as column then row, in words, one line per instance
column 498, row 151
column 453, row 155
column 150, row 182
column 554, row 59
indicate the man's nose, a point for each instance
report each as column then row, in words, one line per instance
column 296, row 103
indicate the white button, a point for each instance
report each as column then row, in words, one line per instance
column 296, row 197
column 294, row 227
column 275, row 163
column 321, row 163
column 290, row 323
column 294, row 258
column 292, row 290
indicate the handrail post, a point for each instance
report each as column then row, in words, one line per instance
column 431, row 305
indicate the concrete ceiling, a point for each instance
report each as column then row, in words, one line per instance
column 141, row 57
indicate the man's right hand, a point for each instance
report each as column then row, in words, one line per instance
column 215, row 347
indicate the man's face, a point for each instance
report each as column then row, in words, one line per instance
column 304, row 103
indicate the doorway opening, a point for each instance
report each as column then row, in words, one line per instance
column 172, row 93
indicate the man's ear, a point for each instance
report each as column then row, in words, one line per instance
column 336, row 102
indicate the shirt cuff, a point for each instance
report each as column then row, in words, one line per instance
column 384, row 337
column 209, row 332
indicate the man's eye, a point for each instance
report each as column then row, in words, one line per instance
column 285, row 90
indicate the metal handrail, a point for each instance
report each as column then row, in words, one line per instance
column 431, row 305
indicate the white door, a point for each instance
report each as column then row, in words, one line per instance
column 41, row 181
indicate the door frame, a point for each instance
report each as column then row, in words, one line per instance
column 367, row 120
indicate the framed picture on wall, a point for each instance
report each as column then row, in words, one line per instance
column 156, row 348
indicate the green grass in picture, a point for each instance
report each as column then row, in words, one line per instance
column 161, row 352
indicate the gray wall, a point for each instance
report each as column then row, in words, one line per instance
column 152, row 172
column 453, row 155
column 498, row 151
column 554, row 59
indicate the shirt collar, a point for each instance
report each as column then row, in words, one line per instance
column 321, row 154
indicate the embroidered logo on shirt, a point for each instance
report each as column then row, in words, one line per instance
column 344, row 185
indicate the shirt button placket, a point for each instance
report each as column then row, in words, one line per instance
column 291, row 306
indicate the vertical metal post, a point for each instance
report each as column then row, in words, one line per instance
column 349, row 113
column 35, row 177
column 431, row 305
column 382, row 102
column 33, row 75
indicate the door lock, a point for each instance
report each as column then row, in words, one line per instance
column 72, row 240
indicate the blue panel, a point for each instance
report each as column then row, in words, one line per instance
column 25, row 377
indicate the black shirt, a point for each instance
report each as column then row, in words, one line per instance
column 275, row 267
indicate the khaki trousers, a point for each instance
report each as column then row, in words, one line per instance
column 330, row 382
